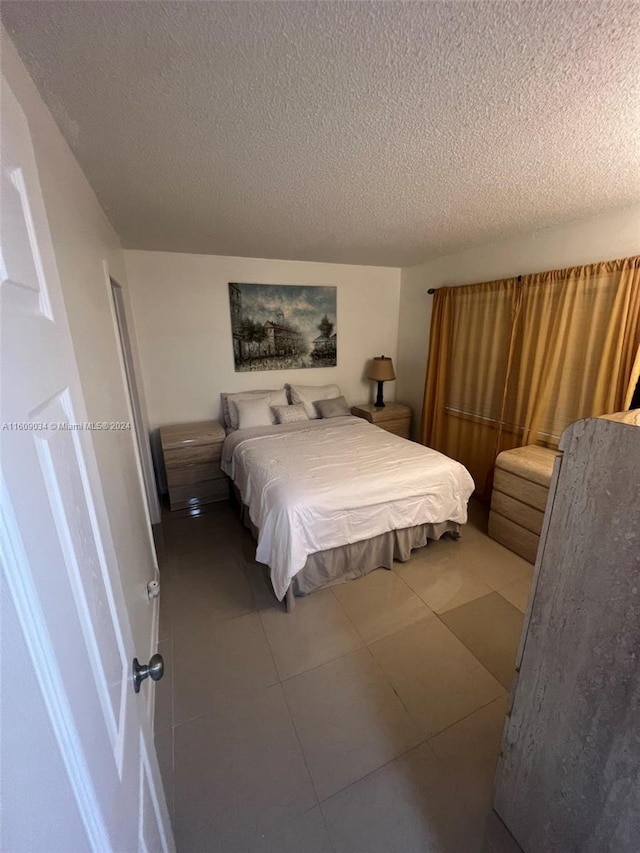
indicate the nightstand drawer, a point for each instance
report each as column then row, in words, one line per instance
column 192, row 455
column 400, row 427
column 181, row 497
column 393, row 417
column 199, row 454
column 185, row 475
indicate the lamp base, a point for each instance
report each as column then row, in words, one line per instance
column 379, row 403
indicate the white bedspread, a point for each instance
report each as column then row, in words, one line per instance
column 320, row 484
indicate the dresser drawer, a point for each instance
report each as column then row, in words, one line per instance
column 513, row 536
column 518, row 512
column 523, row 490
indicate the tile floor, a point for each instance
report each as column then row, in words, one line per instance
column 366, row 721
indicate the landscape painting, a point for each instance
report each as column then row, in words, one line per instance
column 283, row 326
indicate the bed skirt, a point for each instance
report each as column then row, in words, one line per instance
column 337, row 565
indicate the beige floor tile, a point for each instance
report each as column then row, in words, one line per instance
column 414, row 804
column 379, row 603
column 349, row 720
column 478, row 515
column 304, row 834
column 490, row 628
column 240, row 773
column 496, row 838
column 241, row 781
column 436, row 677
column 201, row 552
column 469, row 750
column 517, row 593
column 408, row 806
column 208, row 596
column 491, row 562
column 317, row 631
column 257, row 576
column 232, row 654
column 441, row 581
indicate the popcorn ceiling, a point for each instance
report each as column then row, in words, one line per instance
column 369, row 132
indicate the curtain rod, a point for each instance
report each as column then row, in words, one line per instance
column 432, row 290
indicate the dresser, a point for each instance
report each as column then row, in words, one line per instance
column 191, row 454
column 519, row 497
column 568, row 777
column 394, row 417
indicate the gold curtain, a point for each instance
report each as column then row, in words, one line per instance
column 513, row 362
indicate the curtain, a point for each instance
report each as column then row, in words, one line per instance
column 513, row 362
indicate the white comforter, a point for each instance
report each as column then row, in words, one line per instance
column 320, row 484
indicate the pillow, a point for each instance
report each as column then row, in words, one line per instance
column 253, row 412
column 334, row 408
column 289, row 414
column 230, row 412
column 308, row 394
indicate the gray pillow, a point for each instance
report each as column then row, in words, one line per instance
column 289, row 414
column 336, row 407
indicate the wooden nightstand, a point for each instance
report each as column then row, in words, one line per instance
column 394, row 417
column 191, row 455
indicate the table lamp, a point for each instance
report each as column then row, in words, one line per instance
column 380, row 370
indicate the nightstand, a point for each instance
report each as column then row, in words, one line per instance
column 394, row 417
column 191, row 455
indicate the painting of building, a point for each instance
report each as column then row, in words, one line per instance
column 282, row 326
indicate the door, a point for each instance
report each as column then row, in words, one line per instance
column 79, row 771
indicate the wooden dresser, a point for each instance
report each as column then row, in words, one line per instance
column 191, row 455
column 394, row 417
column 519, row 498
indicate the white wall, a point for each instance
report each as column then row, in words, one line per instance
column 83, row 240
column 613, row 235
column 181, row 309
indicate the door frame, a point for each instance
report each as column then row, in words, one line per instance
column 144, row 461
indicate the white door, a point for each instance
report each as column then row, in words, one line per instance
column 79, row 771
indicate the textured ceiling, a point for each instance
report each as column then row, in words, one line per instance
column 356, row 132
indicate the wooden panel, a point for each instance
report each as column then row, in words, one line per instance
column 189, row 474
column 390, row 412
column 180, row 435
column 524, row 490
column 568, row 779
column 518, row 512
column 192, row 455
column 199, row 493
column 401, row 427
column 512, row 536
column 531, row 462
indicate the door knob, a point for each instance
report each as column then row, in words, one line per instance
column 155, row 669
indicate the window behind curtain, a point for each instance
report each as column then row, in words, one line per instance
column 514, row 362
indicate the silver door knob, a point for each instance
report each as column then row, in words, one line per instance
column 155, row 669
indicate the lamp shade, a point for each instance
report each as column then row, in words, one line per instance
column 381, row 369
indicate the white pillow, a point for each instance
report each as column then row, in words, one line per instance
column 289, row 414
column 308, row 394
column 272, row 398
column 253, row 412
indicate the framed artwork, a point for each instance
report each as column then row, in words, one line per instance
column 283, row 326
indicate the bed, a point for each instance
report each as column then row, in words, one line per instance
column 331, row 499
